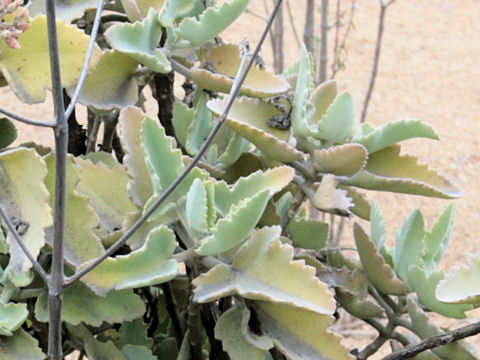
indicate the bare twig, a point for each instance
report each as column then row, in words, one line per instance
column 435, row 341
column 239, row 79
column 277, row 42
column 378, row 49
column 292, row 24
column 172, row 309
column 26, row 120
column 337, row 37
column 322, row 76
column 22, row 245
column 309, row 25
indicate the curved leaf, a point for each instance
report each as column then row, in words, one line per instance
column 394, row 132
column 200, row 209
column 30, row 79
column 8, row 133
column 308, row 233
column 386, row 170
column 12, row 316
column 249, row 117
column 194, row 31
column 20, row 346
column 225, row 61
column 24, row 196
column 149, row 265
column 264, row 269
column 64, row 9
column 330, row 199
column 361, row 207
column 140, row 41
column 174, row 9
column 321, row 99
column 343, row 160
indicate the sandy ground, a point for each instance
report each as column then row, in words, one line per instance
column 429, row 70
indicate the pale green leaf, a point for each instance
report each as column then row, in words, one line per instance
column 139, row 185
column 111, row 83
column 27, row 69
column 225, row 60
column 425, row 328
column 196, row 207
column 12, row 316
column 343, row 160
column 106, row 190
column 174, row 9
column 338, row 123
column 321, row 99
column 229, row 330
column 18, row 279
column 264, row 269
column 140, row 236
column 81, row 242
column 437, row 240
column 330, row 199
column 409, row 246
column 3, row 243
column 140, row 41
column 81, row 305
column 150, row 265
column 24, row 197
column 234, row 228
column 20, row 346
column 308, row 233
column 375, row 267
column 425, row 284
column 461, row 286
column 201, row 126
column 195, row 31
column 386, row 170
column 299, row 333
column 272, row 180
column 249, row 117
column 361, row 207
column 394, row 132
column 183, row 118
column 8, row 133
column 378, row 231
column 134, row 333
column 64, row 9
column 137, row 352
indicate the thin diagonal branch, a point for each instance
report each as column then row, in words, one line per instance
column 239, row 79
column 88, row 58
column 22, row 245
column 292, row 24
column 26, row 120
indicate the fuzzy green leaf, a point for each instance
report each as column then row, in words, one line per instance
column 20, row 346
column 67, row 10
column 264, row 269
column 111, row 83
column 139, row 185
column 462, row 285
column 394, row 132
column 24, row 197
column 377, row 271
column 194, row 31
column 201, row 126
column 200, row 210
column 361, row 206
column 12, row 316
column 149, row 265
column 338, row 123
column 299, row 333
column 174, row 9
column 140, row 41
column 81, row 242
column 321, row 99
column 27, row 69
column 229, row 329
column 249, row 117
column 136, row 352
column 386, row 170
column 134, row 333
column 308, row 233
column 183, row 118
column 8, row 133
column 80, row 304
column 330, row 199
column 343, row 160
column 378, row 231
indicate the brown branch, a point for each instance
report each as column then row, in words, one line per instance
column 309, row 24
column 292, row 24
column 277, row 42
column 324, row 43
column 172, row 309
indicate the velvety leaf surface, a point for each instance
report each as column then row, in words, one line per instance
column 130, row 126
column 386, row 170
column 264, row 269
column 64, row 9
column 111, row 83
column 377, row 271
column 196, row 31
column 149, row 265
column 330, row 199
column 225, row 60
column 361, row 207
column 337, row 125
column 136, row 352
column 24, row 197
column 308, row 233
column 462, row 285
column 229, row 331
column 343, row 160
column 20, row 346
column 200, row 207
column 378, row 230
column 81, row 242
column 299, row 333
column 30, row 80
column 8, row 133
column 12, row 317
column 321, row 99
column 106, row 190
column 134, row 333
column 173, row 9
column 249, row 117
column 183, row 118
column 80, row 304
column 140, row 236
column 140, row 41
column 394, row 132
column 425, row 328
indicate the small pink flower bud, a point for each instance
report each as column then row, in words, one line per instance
column 13, row 43
column 23, row 26
column 22, row 14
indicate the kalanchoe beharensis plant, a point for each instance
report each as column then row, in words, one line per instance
column 198, row 239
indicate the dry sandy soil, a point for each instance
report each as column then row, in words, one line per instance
column 429, row 70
